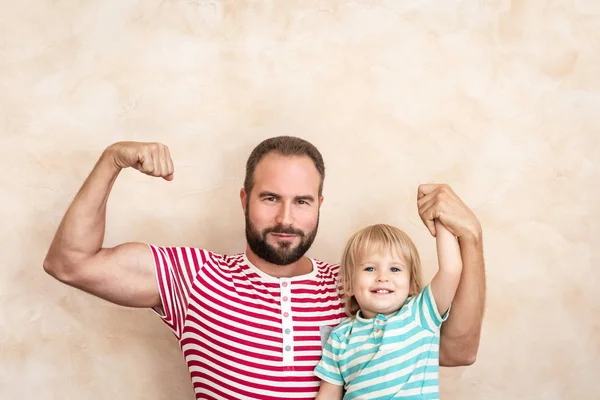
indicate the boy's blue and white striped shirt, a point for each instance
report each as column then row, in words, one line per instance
column 393, row 356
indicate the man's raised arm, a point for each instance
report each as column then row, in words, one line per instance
column 124, row 274
column 461, row 332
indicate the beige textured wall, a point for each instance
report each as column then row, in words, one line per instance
column 499, row 98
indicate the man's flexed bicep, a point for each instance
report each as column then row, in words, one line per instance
column 123, row 275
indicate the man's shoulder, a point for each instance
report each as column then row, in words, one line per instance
column 326, row 267
column 197, row 254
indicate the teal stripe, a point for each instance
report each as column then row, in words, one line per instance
column 347, row 370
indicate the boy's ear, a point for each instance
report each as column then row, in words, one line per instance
column 348, row 291
column 414, row 289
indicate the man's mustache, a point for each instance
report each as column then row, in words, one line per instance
column 283, row 230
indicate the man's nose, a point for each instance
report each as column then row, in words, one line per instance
column 284, row 216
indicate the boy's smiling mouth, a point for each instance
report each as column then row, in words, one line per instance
column 382, row 291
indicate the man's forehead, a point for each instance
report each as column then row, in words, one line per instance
column 276, row 172
column 273, row 159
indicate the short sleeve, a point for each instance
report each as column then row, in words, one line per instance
column 425, row 310
column 176, row 270
column 328, row 369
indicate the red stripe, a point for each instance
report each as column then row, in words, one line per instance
column 316, row 318
column 227, row 326
column 300, row 348
column 254, row 385
column 311, row 299
column 204, row 389
column 307, row 338
column 207, row 359
column 241, row 298
column 176, row 285
column 241, row 295
column 203, row 256
column 246, row 394
column 188, row 269
column 236, row 339
column 329, row 307
column 166, row 294
column 235, row 350
column 304, row 292
column 245, row 282
column 161, row 288
column 201, row 308
column 209, row 299
column 307, row 328
column 242, row 283
column 309, row 358
column 194, row 349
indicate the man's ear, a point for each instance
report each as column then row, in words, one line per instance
column 243, row 199
column 321, row 201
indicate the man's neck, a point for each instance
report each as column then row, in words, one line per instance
column 301, row 267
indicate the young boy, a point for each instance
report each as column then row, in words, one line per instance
column 388, row 347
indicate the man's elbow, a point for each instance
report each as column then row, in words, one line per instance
column 459, row 355
column 458, row 361
column 60, row 270
column 51, row 267
column 464, row 360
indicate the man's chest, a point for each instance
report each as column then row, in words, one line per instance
column 280, row 323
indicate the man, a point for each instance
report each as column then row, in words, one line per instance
column 250, row 325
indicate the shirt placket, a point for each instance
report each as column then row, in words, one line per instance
column 379, row 326
column 286, row 321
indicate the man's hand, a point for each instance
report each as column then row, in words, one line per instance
column 151, row 159
column 440, row 201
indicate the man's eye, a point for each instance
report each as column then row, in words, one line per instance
column 270, row 199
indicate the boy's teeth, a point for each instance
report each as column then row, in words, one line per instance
column 383, row 291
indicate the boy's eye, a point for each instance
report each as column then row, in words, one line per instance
column 369, row 269
column 395, row 269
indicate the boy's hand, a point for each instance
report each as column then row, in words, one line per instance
column 440, row 201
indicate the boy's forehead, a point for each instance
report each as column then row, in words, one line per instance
column 382, row 251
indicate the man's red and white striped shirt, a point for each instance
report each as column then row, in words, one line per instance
column 245, row 334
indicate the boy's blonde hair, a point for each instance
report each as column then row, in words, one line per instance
column 377, row 239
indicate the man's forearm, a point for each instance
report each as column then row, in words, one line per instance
column 461, row 332
column 81, row 232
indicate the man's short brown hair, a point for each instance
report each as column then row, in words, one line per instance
column 286, row 146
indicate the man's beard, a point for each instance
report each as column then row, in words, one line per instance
column 283, row 254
